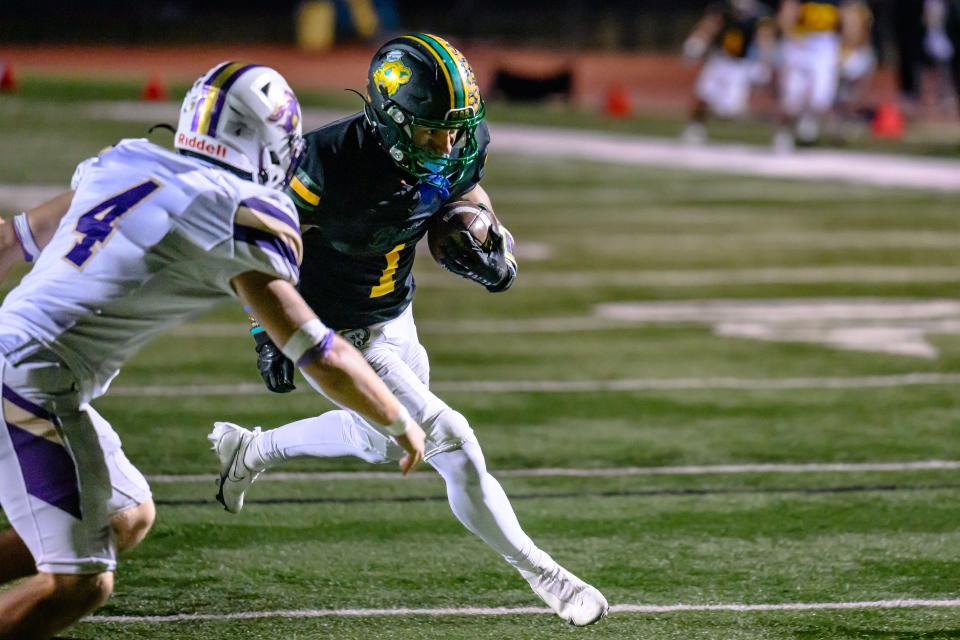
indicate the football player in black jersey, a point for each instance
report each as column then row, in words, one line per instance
column 738, row 38
column 366, row 191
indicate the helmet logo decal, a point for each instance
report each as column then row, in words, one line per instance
column 391, row 74
column 287, row 113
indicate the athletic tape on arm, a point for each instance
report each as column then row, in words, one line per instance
column 312, row 340
column 402, row 424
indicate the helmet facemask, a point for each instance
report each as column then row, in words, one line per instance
column 281, row 155
column 422, row 162
column 277, row 169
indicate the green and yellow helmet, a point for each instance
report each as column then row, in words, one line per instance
column 421, row 80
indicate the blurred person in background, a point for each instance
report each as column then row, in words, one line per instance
column 927, row 36
column 858, row 62
column 909, row 30
column 812, row 34
column 940, row 50
column 953, row 33
column 738, row 38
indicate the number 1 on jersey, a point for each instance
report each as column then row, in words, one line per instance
column 386, row 278
column 96, row 226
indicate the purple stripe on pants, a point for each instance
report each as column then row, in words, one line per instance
column 49, row 472
column 30, row 407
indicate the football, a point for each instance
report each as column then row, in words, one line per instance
column 455, row 217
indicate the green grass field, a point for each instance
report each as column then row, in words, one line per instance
column 588, row 235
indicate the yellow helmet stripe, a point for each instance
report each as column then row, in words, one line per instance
column 454, row 60
column 443, row 66
column 210, row 101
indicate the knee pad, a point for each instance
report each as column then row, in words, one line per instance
column 463, row 467
column 454, row 423
column 447, row 430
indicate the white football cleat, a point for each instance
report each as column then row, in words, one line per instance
column 694, row 135
column 230, row 443
column 570, row 597
column 783, row 142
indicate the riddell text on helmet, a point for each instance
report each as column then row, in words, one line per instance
column 201, row 145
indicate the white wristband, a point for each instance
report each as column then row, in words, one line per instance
column 402, row 424
column 308, row 336
column 27, row 242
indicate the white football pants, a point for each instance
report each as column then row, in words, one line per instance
column 724, row 84
column 477, row 499
column 63, row 472
column 808, row 73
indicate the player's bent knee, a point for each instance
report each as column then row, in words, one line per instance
column 132, row 525
column 84, row 592
column 453, row 426
column 463, row 463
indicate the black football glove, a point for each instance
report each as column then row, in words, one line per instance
column 276, row 368
column 494, row 268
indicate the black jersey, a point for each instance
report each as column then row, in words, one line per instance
column 739, row 29
column 365, row 216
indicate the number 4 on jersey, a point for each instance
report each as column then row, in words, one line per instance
column 96, row 226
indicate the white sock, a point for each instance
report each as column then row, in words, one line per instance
column 479, row 502
column 330, row 435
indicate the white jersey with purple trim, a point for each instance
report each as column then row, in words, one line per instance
column 151, row 239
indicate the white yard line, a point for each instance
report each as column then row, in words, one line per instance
column 429, row 276
column 615, row 472
column 583, row 386
column 199, row 390
column 894, row 326
column 885, row 170
column 512, row 611
column 882, row 170
column 711, row 277
column 18, row 197
column 692, row 384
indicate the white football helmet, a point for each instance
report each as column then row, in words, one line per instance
column 244, row 117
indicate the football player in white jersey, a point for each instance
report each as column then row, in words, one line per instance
column 148, row 239
column 813, row 32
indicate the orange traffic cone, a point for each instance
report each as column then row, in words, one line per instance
column 154, row 90
column 888, row 121
column 618, row 102
column 8, row 81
